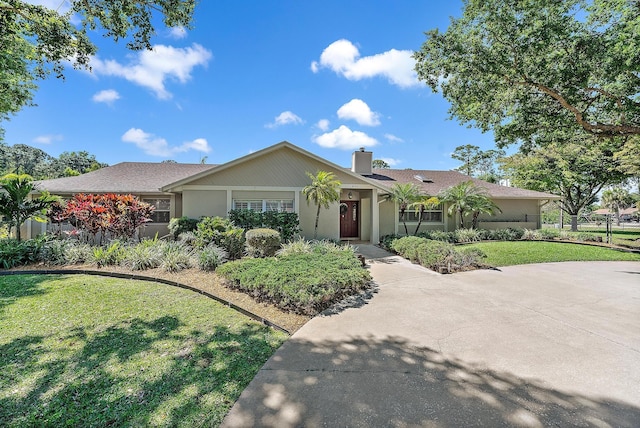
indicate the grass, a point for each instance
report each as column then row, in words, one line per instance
column 524, row 252
column 94, row 351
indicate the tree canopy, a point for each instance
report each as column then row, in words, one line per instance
column 476, row 162
column 21, row 158
column 577, row 171
column 530, row 70
column 36, row 41
column 15, row 205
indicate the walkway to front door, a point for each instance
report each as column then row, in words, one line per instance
column 349, row 219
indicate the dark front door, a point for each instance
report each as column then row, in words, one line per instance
column 349, row 219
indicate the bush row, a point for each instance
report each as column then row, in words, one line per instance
column 460, row 236
column 147, row 254
column 305, row 277
column 437, row 255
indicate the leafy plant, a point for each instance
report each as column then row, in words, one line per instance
column 467, row 235
column 176, row 257
column 323, row 190
column 15, row 253
column 262, row 242
column 222, row 233
column 180, row 225
column 109, row 255
column 210, row 257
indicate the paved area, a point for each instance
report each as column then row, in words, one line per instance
column 541, row 345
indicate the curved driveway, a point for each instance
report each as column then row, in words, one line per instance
column 535, row 345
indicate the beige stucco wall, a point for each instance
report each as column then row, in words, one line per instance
column 282, row 168
column 520, row 213
column 388, row 217
column 201, row 203
column 328, row 225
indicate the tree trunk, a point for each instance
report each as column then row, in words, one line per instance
column 574, row 223
column 315, row 230
column 419, row 221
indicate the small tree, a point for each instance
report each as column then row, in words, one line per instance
column 404, row 194
column 616, row 199
column 464, row 199
column 482, row 204
column 422, row 204
column 323, row 190
column 15, row 207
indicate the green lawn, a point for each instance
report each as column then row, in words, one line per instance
column 93, row 351
column 523, row 252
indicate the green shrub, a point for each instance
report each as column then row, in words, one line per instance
column 145, row 255
column 305, row 283
column 436, row 255
column 188, row 238
column 469, row 257
column 16, row 253
column 54, row 251
column 181, row 225
column 176, row 257
column 262, row 242
column 407, row 247
column 587, row 237
column 222, row 233
column 467, row 235
column 549, row 233
column 299, row 246
column 387, row 240
column 77, row 252
column 210, row 257
column 509, row 234
column 439, row 235
column 109, row 255
column 531, row 235
column 246, row 219
column 287, row 224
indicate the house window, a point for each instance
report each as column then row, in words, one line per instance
column 428, row 216
column 278, row 205
column 162, row 212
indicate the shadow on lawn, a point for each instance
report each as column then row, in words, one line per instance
column 14, row 287
column 368, row 381
column 94, row 377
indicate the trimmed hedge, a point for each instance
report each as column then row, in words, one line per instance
column 306, row 282
column 262, row 242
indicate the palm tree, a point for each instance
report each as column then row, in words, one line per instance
column 482, row 204
column 422, row 204
column 404, row 194
column 615, row 199
column 15, row 208
column 323, row 190
column 466, row 198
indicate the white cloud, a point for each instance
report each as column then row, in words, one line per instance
column 345, row 139
column 151, row 68
column 285, row 118
column 359, row 111
column 47, row 139
column 107, row 96
column 157, row 146
column 178, row 32
column 392, row 138
column 323, row 124
column 343, row 58
column 391, row 161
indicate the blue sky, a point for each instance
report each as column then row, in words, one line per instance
column 328, row 76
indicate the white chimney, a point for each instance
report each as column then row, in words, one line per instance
column 361, row 162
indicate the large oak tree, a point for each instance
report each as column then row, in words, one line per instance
column 527, row 69
column 36, row 41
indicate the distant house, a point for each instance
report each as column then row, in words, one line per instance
column 272, row 179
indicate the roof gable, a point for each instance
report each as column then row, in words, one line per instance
column 280, row 165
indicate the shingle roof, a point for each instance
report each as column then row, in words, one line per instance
column 125, row 177
column 437, row 181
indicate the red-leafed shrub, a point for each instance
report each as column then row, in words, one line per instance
column 112, row 215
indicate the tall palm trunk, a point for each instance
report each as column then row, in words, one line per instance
column 315, row 231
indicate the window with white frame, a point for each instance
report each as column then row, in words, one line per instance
column 162, row 213
column 264, row 205
column 428, row 216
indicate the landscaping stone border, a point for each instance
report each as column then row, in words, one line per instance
column 149, row 279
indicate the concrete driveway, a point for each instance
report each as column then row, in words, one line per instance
column 539, row 345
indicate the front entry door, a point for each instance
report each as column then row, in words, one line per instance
column 349, row 219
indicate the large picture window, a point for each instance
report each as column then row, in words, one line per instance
column 264, row 205
column 162, row 212
column 428, row 216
